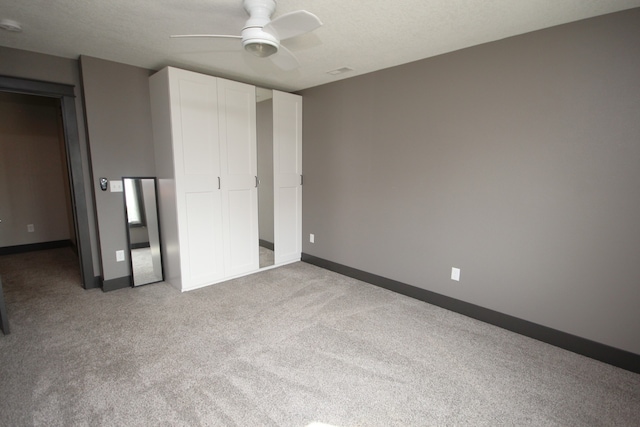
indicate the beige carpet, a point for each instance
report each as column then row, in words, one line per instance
column 291, row 346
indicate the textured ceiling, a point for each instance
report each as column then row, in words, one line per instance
column 362, row 35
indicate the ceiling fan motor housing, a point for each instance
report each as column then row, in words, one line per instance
column 259, row 11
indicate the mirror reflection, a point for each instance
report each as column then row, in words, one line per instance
column 142, row 228
column 264, row 137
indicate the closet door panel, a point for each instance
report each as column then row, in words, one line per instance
column 203, row 237
column 287, row 218
column 241, row 150
column 287, row 176
column 242, row 243
column 197, row 164
column 199, row 104
column 198, row 154
column 237, row 120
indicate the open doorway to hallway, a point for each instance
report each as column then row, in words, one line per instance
column 78, row 227
column 36, row 211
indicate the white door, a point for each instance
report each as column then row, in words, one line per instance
column 194, row 109
column 287, row 176
column 239, row 170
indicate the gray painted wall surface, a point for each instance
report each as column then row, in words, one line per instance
column 516, row 161
column 37, row 66
column 118, row 115
column 32, row 171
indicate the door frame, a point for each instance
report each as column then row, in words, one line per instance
column 65, row 93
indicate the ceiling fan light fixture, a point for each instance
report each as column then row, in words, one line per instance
column 262, row 48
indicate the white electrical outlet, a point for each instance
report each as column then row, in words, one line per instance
column 455, row 274
column 116, row 186
column 119, row 256
column 312, row 238
column 30, row 228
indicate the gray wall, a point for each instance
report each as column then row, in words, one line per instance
column 516, row 161
column 37, row 66
column 118, row 116
column 32, row 171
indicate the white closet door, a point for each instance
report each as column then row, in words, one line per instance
column 194, row 106
column 237, row 113
column 287, row 176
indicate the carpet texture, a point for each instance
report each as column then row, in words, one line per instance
column 291, row 346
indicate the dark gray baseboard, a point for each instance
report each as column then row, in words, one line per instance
column 18, row 249
column 117, row 283
column 266, row 244
column 604, row 353
column 97, row 283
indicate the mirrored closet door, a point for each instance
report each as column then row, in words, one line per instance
column 279, row 140
column 264, row 139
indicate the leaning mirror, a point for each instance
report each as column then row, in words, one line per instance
column 143, row 232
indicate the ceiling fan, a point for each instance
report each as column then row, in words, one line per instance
column 261, row 36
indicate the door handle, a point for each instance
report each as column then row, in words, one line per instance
column 218, row 183
column 257, row 181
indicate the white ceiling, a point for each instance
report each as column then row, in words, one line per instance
column 362, row 35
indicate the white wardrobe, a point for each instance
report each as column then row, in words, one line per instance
column 205, row 151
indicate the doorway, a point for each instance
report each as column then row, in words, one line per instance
column 64, row 94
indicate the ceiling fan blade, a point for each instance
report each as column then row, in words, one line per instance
column 292, row 24
column 214, row 36
column 285, row 59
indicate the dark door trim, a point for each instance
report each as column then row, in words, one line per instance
column 65, row 93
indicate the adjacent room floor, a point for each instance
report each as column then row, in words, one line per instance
column 290, row 346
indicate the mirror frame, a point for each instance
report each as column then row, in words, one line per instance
column 128, row 227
